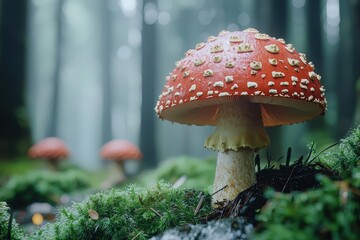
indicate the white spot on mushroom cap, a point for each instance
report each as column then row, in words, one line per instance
column 294, row 79
column 235, row 86
column 223, row 32
column 305, row 81
column 276, row 74
column 235, row 39
column 272, row 48
column 198, row 62
column 273, row 61
column 186, row 74
column 293, row 62
column 244, row 47
column 273, row 91
column 192, row 88
column 256, row 65
column 222, row 94
column 217, row 59
column 303, row 58
column 229, row 64
column 252, row 85
column 281, row 40
column 208, row 73
column 312, row 75
column 217, row 48
column 253, row 30
column 229, row 79
column 199, row 45
column 262, row 36
column 218, row 84
column 211, row 38
column 303, row 86
column 290, row 48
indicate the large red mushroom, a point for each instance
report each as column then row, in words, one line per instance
column 51, row 149
column 119, row 151
column 241, row 82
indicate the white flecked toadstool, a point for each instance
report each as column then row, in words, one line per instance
column 119, row 151
column 241, row 82
column 51, row 149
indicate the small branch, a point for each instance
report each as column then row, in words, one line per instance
column 136, row 235
column 287, row 181
column 199, row 206
column 156, row 212
column 219, row 190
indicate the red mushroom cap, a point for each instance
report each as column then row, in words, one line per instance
column 49, row 148
column 120, row 150
column 242, row 66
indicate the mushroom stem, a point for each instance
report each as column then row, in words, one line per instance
column 236, row 170
column 239, row 133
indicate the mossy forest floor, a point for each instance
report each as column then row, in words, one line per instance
column 312, row 197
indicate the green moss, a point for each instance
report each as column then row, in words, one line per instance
column 136, row 213
column 16, row 232
column 199, row 172
column 346, row 156
column 330, row 212
column 41, row 186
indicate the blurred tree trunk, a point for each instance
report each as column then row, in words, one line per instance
column 356, row 10
column 347, row 63
column 12, row 76
column 272, row 17
column 149, row 95
column 53, row 118
column 106, row 81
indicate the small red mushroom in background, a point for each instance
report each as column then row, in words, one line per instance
column 119, row 151
column 241, row 82
column 51, row 149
